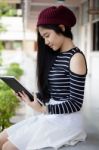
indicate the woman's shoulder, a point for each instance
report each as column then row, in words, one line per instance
column 78, row 62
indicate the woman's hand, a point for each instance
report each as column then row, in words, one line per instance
column 34, row 104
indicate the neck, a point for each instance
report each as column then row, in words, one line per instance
column 67, row 45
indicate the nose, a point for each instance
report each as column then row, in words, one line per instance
column 47, row 42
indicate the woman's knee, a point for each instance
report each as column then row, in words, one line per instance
column 3, row 137
column 8, row 146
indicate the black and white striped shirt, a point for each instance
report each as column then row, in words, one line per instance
column 64, row 85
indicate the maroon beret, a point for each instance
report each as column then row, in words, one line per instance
column 57, row 15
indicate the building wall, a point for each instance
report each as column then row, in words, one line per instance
column 14, row 28
column 86, row 33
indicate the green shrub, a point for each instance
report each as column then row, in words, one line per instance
column 8, row 101
column 8, row 105
column 14, row 70
column 6, row 9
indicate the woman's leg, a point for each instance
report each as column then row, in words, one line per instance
column 3, row 138
column 8, row 146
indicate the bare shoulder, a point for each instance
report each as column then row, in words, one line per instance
column 78, row 64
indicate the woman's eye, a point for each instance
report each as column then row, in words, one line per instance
column 46, row 36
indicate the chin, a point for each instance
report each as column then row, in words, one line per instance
column 55, row 49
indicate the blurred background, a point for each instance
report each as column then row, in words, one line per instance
column 18, row 45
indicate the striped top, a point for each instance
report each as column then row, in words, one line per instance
column 65, row 86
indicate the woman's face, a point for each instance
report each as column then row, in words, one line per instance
column 52, row 39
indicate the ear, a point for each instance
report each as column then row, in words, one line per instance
column 62, row 27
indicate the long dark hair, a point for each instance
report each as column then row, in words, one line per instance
column 45, row 58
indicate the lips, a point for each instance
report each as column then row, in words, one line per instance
column 51, row 46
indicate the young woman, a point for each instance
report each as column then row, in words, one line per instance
column 61, row 72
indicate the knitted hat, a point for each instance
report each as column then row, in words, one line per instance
column 57, row 15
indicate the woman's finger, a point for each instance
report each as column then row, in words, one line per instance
column 25, row 97
column 37, row 100
column 34, row 96
column 18, row 96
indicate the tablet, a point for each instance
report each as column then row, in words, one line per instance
column 14, row 84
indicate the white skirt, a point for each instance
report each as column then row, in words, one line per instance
column 47, row 131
